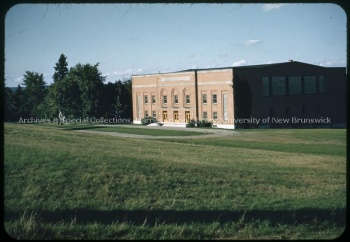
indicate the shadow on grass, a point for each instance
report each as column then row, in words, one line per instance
column 139, row 217
column 81, row 127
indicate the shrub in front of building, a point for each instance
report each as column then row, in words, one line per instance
column 148, row 120
column 199, row 124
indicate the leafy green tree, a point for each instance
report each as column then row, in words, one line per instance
column 61, row 69
column 64, row 96
column 109, row 99
column 124, row 103
column 18, row 103
column 68, row 92
column 35, row 91
column 90, row 81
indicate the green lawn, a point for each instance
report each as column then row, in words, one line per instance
column 260, row 184
column 133, row 130
column 306, row 141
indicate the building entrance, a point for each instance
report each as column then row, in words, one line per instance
column 187, row 116
column 165, row 116
column 176, row 116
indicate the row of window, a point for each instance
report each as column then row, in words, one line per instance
column 292, row 85
column 214, row 98
column 187, row 99
column 205, row 114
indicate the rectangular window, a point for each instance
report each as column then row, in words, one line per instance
column 165, row 99
column 294, row 85
column 146, row 99
column 188, row 99
column 215, row 115
column 303, row 108
column 271, row 112
column 138, row 107
column 205, row 115
column 204, row 97
column 224, row 106
column 154, row 114
column 266, row 86
column 321, row 88
column 287, row 110
column 146, row 113
column 153, row 99
column 176, row 99
column 215, row 99
column 318, row 108
column 278, row 85
column 310, row 84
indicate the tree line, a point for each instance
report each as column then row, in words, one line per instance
column 78, row 92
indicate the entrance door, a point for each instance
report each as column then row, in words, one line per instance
column 176, row 116
column 187, row 116
column 165, row 116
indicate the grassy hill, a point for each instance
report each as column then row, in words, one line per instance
column 259, row 184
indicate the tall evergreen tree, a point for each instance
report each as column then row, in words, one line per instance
column 61, row 68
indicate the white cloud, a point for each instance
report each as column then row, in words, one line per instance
column 122, row 73
column 333, row 63
column 271, row 6
column 140, row 70
column 252, row 42
column 239, row 63
column 19, row 80
column 326, row 63
column 213, row 65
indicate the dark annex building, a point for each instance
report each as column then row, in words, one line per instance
column 290, row 94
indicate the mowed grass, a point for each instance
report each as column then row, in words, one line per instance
column 134, row 130
column 61, row 184
column 306, row 141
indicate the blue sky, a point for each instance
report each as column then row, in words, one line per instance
column 131, row 39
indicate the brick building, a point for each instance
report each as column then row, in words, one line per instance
column 295, row 92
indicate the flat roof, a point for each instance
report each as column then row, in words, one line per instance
column 240, row 67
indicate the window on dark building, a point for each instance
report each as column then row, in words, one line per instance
column 278, row 85
column 265, row 86
column 310, row 85
column 294, row 85
column 271, row 112
column 321, row 83
column 318, row 108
